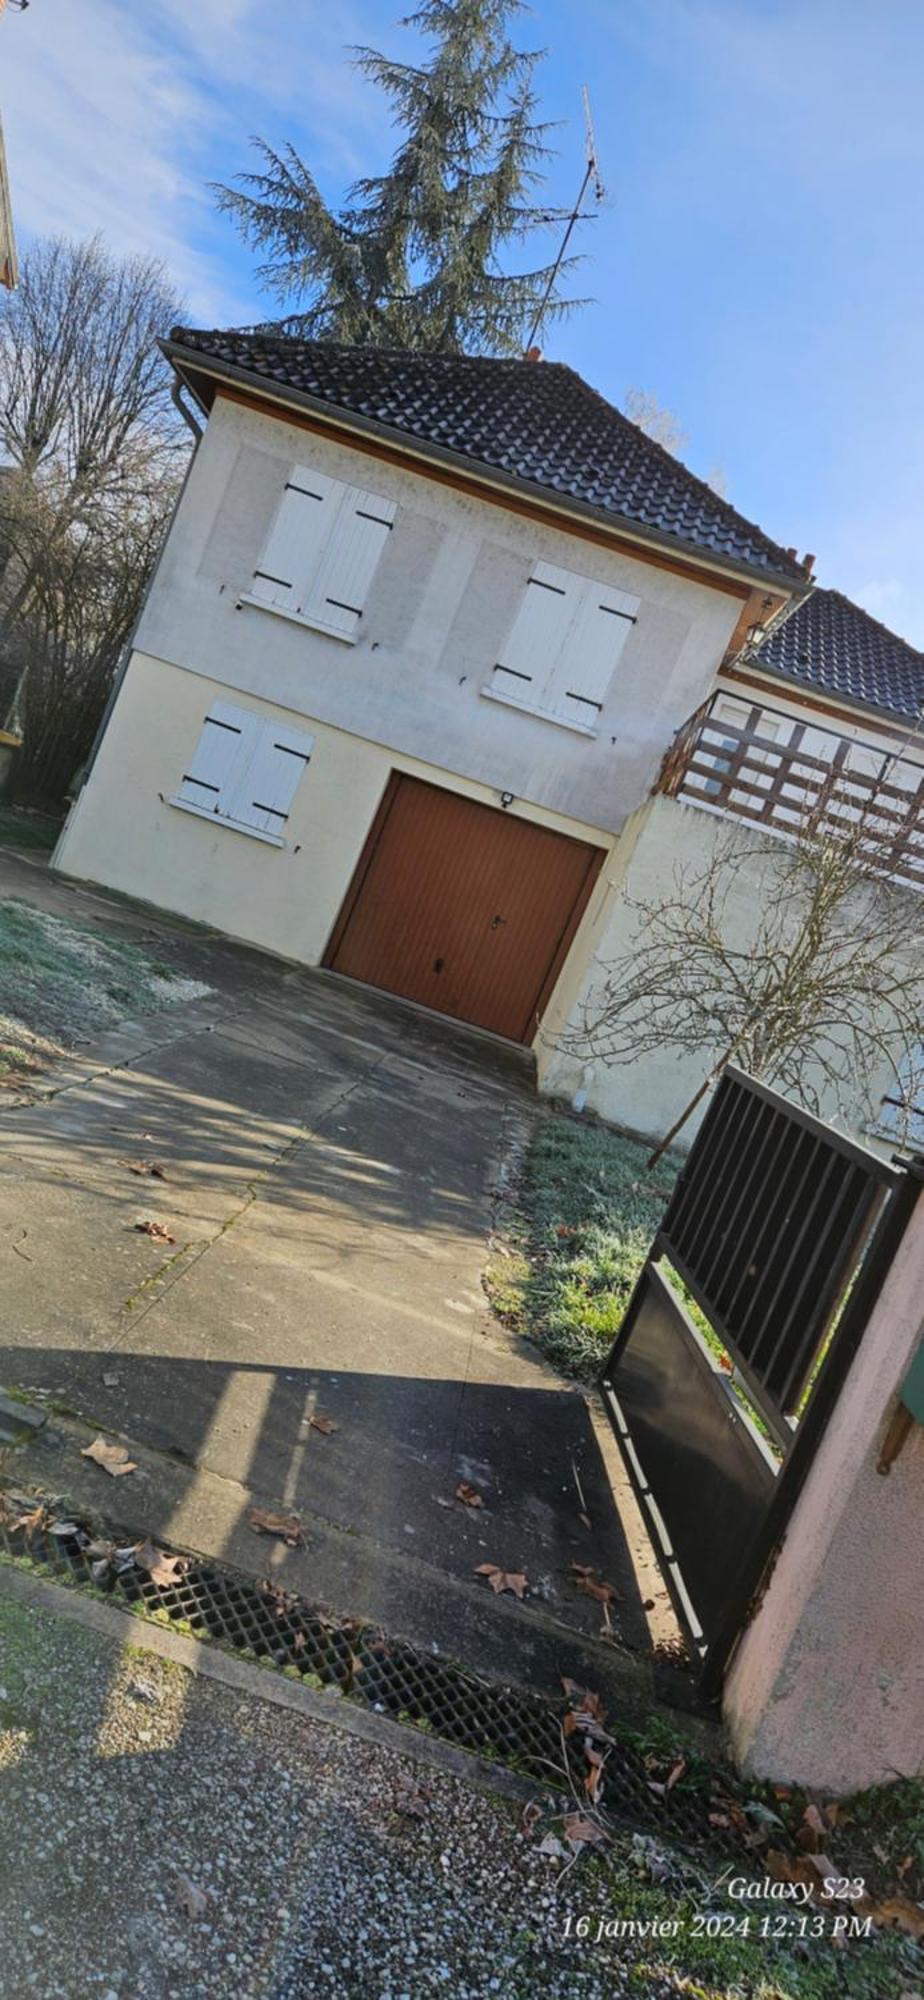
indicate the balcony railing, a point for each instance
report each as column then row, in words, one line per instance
column 750, row 773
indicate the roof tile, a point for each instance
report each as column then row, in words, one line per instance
column 538, row 422
column 829, row 643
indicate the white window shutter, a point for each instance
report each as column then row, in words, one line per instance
column 224, row 748
column 591, row 652
column 344, row 578
column 293, row 548
column 530, row 652
column 270, row 779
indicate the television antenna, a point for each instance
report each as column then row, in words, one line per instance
column 592, row 177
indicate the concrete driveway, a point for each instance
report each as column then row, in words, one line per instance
column 332, row 1161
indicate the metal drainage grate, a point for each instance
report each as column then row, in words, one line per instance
column 380, row 1673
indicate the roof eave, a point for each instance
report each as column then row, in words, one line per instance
column 188, row 362
column 897, row 719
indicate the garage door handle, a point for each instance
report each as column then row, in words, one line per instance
column 438, row 964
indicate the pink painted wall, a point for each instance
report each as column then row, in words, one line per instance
column 827, row 1686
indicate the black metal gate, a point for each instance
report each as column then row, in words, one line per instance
column 738, row 1336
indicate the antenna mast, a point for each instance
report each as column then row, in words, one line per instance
column 591, row 175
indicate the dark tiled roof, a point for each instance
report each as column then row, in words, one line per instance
column 831, row 644
column 533, row 421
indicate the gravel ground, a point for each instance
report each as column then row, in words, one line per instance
column 313, row 1864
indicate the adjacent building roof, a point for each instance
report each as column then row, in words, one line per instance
column 537, row 423
column 831, row 644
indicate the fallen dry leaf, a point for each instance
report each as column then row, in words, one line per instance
column 529, row 1818
column 31, row 1523
column 192, row 1900
column 895, row 1911
column 158, row 1230
column 581, row 1832
column 469, row 1495
column 325, row 1425
column 161, row 1568
column 287, row 1526
column 113, row 1458
column 812, row 1869
column 813, row 1831
column 151, row 1169
column 593, row 1778
column 586, row 1580
column 584, row 1702
column 503, row 1579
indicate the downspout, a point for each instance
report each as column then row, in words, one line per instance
column 176, row 397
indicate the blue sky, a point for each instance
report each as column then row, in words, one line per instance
column 757, row 266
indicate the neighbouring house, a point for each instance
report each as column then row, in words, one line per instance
column 828, row 692
column 426, row 635
column 421, row 632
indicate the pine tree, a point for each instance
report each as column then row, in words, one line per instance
column 415, row 256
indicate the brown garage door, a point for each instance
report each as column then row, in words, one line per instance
column 464, row 908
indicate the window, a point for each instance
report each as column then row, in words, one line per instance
column 245, row 771
column 564, row 645
column 322, row 552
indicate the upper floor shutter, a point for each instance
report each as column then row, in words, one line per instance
column 224, row 748
column 564, row 644
column 290, row 557
column 348, row 564
column 534, row 642
column 581, row 677
column 268, row 783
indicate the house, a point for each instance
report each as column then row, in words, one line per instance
column 827, row 695
column 443, row 655
column 420, row 635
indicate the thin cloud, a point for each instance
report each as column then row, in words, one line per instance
column 116, row 121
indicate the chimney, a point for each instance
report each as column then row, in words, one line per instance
column 808, row 564
column 533, row 354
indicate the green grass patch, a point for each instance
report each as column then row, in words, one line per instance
column 588, row 1211
column 62, row 983
column 725, row 1949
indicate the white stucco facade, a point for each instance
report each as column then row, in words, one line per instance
column 407, row 694
column 444, row 595
column 124, row 831
column 645, row 1096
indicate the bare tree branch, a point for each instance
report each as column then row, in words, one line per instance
column 799, row 959
column 93, row 453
